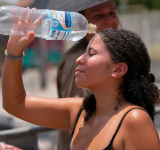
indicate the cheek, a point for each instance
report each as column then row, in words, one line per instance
column 99, row 25
column 102, row 25
column 97, row 71
column 116, row 22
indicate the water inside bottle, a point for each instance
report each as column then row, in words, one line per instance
column 46, row 27
column 77, row 35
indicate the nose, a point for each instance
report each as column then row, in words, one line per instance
column 80, row 60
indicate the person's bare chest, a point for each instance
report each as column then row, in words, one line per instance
column 94, row 136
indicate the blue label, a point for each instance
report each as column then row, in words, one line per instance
column 61, row 25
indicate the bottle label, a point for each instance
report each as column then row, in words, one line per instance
column 61, row 25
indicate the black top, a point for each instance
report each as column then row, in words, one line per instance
column 109, row 147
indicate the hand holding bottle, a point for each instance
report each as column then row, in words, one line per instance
column 55, row 25
column 17, row 43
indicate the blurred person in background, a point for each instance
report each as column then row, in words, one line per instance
column 104, row 16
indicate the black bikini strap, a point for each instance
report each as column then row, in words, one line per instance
column 79, row 113
column 122, row 121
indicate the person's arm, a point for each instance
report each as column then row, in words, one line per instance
column 140, row 132
column 53, row 113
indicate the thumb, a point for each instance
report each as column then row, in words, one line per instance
column 30, row 37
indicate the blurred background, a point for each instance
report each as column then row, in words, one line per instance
column 42, row 57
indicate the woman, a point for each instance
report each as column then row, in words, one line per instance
column 119, row 113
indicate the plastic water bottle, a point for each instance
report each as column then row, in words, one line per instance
column 54, row 25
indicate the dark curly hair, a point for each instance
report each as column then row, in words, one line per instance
column 126, row 46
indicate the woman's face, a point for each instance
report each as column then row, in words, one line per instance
column 94, row 67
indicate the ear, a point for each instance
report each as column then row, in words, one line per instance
column 119, row 70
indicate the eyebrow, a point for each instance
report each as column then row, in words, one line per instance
column 92, row 48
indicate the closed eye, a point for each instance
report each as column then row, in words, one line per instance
column 92, row 51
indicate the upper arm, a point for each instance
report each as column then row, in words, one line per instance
column 140, row 132
column 52, row 113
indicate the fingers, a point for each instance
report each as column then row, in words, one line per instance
column 31, row 15
column 25, row 22
column 30, row 38
column 15, row 19
column 23, row 14
column 38, row 21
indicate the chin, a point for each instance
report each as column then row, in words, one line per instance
column 80, row 84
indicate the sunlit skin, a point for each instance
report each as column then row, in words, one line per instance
column 100, row 75
column 96, row 71
column 104, row 16
column 94, row 65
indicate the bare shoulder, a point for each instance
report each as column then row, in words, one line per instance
column 140, row 131
column 137, row 118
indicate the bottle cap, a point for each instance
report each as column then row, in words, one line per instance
column 92, row 28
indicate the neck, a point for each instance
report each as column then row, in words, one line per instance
column 107, row 99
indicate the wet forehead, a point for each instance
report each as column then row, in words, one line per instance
column 97, row 44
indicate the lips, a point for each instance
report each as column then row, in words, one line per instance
column 78, row 70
